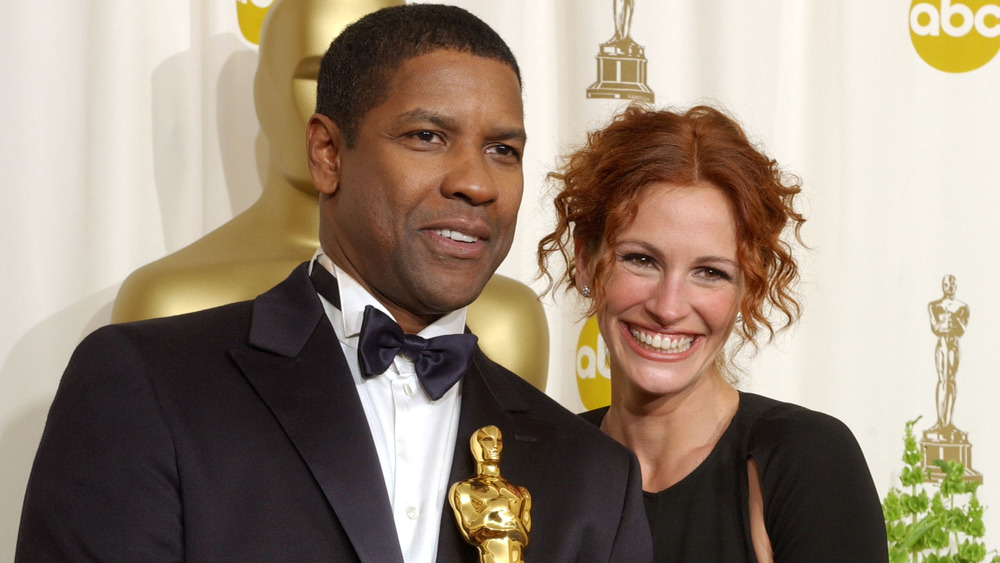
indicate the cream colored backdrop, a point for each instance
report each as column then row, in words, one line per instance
column 128, row 131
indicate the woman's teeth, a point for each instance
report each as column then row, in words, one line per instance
column 664, row 343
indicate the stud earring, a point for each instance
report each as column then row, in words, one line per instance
column 739, row 318
column 585, row 290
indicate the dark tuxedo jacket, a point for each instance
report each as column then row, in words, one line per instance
column 236, row 434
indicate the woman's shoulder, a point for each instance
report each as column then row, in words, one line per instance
column 777, row 424
column 820, row 501
column 793, row 444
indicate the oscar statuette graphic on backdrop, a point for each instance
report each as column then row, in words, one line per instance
column 935, row 514
column 948, row 318
column 621, row 62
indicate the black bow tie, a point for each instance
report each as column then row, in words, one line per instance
column 439, row 362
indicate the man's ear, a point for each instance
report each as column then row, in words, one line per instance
column 324, row 142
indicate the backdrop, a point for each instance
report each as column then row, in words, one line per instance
column 128, row 131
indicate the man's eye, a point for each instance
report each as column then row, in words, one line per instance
column 425, row 136
column 506, row 151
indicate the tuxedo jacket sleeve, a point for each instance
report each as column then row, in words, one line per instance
column 236, row 434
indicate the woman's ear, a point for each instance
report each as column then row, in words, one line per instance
column 584, row 275
column 323, row 145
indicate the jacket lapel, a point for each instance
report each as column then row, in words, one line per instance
column 296, row 365
column 490, row 397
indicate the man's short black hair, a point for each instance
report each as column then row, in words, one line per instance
column 356, row 70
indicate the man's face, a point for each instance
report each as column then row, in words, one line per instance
column 425, row 203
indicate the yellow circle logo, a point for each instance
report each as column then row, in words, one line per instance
column 250, row 14
column 593, row 367
column 955, row 36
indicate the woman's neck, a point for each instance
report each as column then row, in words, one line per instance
column 672, row 434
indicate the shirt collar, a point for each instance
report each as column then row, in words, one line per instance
column 354, row 298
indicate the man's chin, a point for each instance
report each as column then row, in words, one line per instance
column 444, row 298
column 452, row 302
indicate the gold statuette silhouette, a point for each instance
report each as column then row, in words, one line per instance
column 621, row 62
column 493, row 514
column 948, row 319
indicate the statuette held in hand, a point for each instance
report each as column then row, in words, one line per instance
column 493, row 514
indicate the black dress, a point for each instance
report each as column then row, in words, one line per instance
column 820, row 504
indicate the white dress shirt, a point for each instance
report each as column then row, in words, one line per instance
column 414, row 436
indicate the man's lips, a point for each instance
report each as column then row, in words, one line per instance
column 456, row 243
column 456, row 235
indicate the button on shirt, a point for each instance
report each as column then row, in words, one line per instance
column 414, row 436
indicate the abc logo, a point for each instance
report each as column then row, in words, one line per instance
column 250, row 14
column 955, row 36
column 593, row 370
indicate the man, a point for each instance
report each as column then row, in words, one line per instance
column 255, row 250
column 255, row 432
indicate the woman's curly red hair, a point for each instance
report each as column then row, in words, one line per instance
column 604, row 182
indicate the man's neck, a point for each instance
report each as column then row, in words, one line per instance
column 411, row 323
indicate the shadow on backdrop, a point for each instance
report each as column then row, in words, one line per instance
column 36, row 362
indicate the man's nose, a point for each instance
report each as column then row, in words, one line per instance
column 470, row 177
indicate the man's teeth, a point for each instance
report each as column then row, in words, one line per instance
column 664, row 343
column 455, row 235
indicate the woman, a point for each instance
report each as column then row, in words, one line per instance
column 671, row 225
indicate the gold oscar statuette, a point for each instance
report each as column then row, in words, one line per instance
column 493, row 514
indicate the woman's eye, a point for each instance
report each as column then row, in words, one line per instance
column 640, row 260
column 715, row 274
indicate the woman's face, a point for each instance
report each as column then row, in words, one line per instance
column 673, row 292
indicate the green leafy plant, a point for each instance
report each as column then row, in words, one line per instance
column 944, row 525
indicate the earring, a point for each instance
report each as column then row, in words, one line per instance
column 739, row 318
column 585, row 290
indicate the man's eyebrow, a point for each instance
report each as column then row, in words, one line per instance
column 427, row 116
column 515, row 134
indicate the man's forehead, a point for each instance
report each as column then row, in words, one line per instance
column 417, row 96
column 494, row 65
